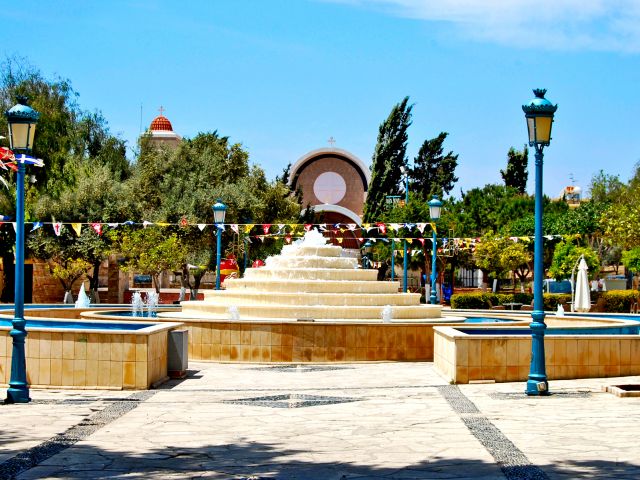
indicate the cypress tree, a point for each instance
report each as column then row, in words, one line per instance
column 433, row 173
column 390, row 154
column 516, row 174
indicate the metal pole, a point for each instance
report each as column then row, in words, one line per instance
column 18, row 391
column 404, row 276
column 537, row 383
column 246, row 257
column 406, row 204
column 433, row 299
column 218, row 253
column 393, row 260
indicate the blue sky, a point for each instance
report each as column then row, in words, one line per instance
column 282, row 76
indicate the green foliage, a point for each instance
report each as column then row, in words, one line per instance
column 552, row 300
column 631, row 259
column 470, row 301
column 565, row 258
column 517, row 258
column 389, row 155
column 491, row 208
column 68, row 270
column 433, row 172
column 619, row 301
column 150, row 251
column 488, row 254
column 516, row 174
column 477, row 300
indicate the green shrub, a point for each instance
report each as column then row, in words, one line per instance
column 487, row 300
column 469, row 300
column 551, row 300
column 619, row 301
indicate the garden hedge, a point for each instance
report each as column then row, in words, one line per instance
column 482, row 300
column 619, row 301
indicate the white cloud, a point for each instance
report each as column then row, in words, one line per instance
column 600, row 25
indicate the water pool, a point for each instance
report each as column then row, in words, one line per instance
column 79, row 325
column 625, row 330
column 489, row 320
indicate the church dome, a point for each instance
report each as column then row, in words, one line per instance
column 161, row 123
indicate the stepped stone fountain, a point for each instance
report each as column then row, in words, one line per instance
column 311, row 281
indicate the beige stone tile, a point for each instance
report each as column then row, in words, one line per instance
column 141, row 348
column 79, row 373
column 68, row 347
column 116, row 348
column 80, row 347
column 129, row 375
column 115, row 374
column 625, row 352
column 56, row 371
column 44, row 371
column 45, row 345
column 474, row 353
column 67, row 372
column 141, row 375
column 593, row 352
column 92, row 373
column 512, row 352
column 93, row 347
column 129, row 347
column 104, row 373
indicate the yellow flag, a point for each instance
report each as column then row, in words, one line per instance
column 77, row 227
column 248, row 227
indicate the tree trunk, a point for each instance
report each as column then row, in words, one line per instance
column 156, row 282
column 68, row 297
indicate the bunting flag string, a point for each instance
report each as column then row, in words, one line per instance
column 292, row 231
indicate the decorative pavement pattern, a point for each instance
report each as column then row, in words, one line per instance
column 361, row 421
column 291, row 400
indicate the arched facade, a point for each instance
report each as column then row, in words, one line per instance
column 333, row 181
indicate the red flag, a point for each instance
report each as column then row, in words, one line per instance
column 97, row 227
column 266, row 228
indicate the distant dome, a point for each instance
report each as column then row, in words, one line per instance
column 162, row 124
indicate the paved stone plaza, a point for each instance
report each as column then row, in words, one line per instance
column 347, row 421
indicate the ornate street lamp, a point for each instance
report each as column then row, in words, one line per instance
column 405, row 174
column 539, row 114
column 219, row 213
column 435, row 208
column 393, row 200
column 22, row 121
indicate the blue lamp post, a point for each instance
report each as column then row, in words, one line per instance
column 539, row 115
column 219, row 212
column 435, row 208
column 22, row 121
column 405, row 174
column 367, row 254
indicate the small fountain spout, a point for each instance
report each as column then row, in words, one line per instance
column 152, row 303
column 137, row 305
column 83, row 300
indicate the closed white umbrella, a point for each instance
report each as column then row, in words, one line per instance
column 582, row 301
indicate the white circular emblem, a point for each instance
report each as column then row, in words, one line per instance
column 329, row 188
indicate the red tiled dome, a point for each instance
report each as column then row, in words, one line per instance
column 161, row 123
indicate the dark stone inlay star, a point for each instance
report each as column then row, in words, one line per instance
column 28, row 459
column 291, row 400
column 513, row 463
